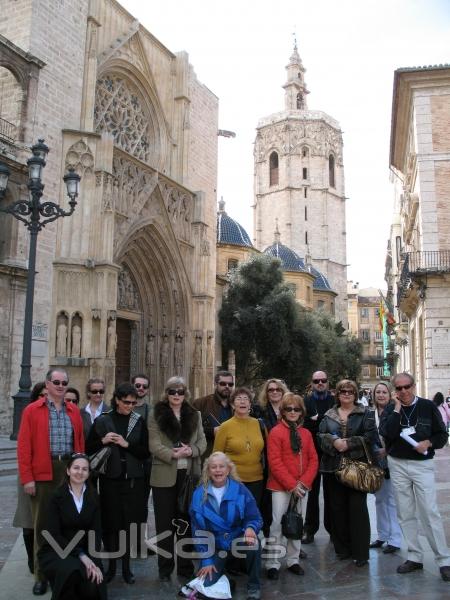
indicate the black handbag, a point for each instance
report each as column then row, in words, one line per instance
column 185, row 496
column 292, row 521
column 98, row 461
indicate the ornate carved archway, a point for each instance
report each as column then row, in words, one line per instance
column 153, row 295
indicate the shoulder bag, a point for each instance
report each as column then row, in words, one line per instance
column 184, row 498
column 359, row 475
column 292, row 521
column 98, row 462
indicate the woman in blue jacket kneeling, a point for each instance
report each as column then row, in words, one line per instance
column 225, row 508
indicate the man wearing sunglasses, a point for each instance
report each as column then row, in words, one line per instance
column 95, row 391
column 215, row 408
column 413, row 429
column 142, row 384
column 317, row 403
column 50, row 431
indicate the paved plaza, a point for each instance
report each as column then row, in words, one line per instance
column 325, row 578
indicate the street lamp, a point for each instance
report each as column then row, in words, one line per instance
column 35, row 215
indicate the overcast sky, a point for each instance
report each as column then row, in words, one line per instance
column 350, row 50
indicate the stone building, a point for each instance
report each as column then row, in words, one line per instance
column 364, row 323
column 127, row 283
column 418, row 260
column 299, row 183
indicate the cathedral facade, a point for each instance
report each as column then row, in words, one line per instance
column 299, row 185
column 127, row 283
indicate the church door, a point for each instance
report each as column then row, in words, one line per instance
column 123, row 351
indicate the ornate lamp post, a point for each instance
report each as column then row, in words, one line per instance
column 35, row 215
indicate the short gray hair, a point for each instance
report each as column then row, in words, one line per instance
column 408, row 375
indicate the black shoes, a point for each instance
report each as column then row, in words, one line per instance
column 360, row 563
column 409, row 566
column 307, row 539
column 128, row 577
column 40, row 588
column 445, row 572
column 163, row 577
column 389, row 549
column 376, row 544
column 343, row 556
column 272, row 574
column 302, row 554
column 296, row 569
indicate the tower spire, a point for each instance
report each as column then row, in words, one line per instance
column 295, row 86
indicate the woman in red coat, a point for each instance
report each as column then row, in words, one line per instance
column 293, row 466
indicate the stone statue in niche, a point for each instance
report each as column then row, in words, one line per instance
column 61, row 340
column 150, row 350
column 209, row 350
column 111, row 340
column 198, row 351
column 164, row 356
column 178, row 351
column 76, row 341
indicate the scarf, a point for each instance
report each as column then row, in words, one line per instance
column 295, row 439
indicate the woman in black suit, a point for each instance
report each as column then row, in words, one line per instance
column 122, row 487
column 73, row 513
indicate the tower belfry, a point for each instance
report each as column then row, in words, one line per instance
column 299, row 183
column 295, row 86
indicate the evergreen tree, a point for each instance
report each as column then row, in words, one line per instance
column 273, row 336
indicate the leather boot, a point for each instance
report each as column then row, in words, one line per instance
column 127, row 575
column 111, row 572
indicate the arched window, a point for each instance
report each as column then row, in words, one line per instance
column 273, row 161
column 331, row 178
column 305, row 151
column 300, row 102
column 232, row 264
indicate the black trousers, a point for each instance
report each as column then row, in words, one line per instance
column 350, row 525
column 168, row 520
column 312, row 517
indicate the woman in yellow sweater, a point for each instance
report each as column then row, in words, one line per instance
column 241, row 439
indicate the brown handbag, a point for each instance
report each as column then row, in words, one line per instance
column 362, row 476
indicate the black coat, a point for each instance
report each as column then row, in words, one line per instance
column 64, row 522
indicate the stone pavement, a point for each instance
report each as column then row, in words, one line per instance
column 325, row 578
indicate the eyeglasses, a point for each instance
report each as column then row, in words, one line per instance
column 176, row 392
column 58, row 382
column 128, row 402
column 347, row 392
column 296, row 409
column 274, row 390
column 138, row 386
column 97, row 392
column 399, row 388
column 226, row 383
column 319, row 380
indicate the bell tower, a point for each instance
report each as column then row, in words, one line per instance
column 299, row 181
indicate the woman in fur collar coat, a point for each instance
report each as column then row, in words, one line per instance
column 177, row 442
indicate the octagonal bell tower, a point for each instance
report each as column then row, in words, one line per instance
column 299, row 181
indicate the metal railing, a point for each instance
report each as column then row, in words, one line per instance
column 421, row 263
column 8, row 131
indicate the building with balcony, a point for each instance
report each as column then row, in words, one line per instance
column 418, row 257
column 364, row 323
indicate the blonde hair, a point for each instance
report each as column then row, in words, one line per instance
column 204, row 481
column 291, row 399
column 263, row 394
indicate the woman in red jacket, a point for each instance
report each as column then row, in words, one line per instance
column 293, row 466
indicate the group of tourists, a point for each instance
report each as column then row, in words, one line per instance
column 233, row 471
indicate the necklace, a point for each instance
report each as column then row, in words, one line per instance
column 245, row 420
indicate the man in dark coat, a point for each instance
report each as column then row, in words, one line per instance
column 215, row 408
column 317, row 403
column 413, row 429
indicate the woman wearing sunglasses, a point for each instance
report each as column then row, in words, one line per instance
column 74, row 508
column 343, row 431
column 293, row 466
column 177, row 442
column 122, row 487
column 269, row 399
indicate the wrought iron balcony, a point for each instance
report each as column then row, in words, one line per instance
column 8, row 131
column 416, row 264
